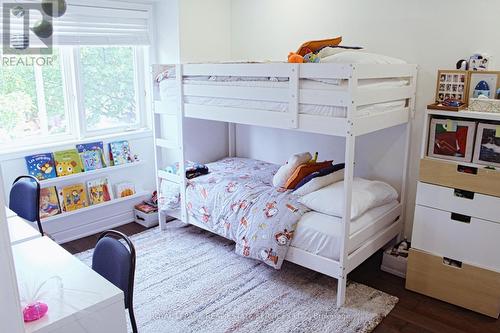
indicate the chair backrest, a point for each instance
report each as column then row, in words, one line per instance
column 24, row 199
column 115, row 262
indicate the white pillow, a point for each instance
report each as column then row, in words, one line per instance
column 329, row 51
column 285, row 171
column 366, row 194
column 320, row 182
column 357, row 57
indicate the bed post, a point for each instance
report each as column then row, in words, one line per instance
column 350, row 144
column 231, row 136
column 180, row 131
column 404, row 187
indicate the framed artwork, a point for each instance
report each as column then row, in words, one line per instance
column 452, row 84
column 451, row 139
column 487, row 147
column 484, row 85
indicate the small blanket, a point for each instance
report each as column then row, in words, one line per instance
column 237, row 201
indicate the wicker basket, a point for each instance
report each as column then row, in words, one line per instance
column 484, row 105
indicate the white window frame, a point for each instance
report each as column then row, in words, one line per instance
column 73, row 101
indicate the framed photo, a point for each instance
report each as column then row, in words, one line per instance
column 484, row 83
column 452, row 84
column 451, row 139
column 487, row 148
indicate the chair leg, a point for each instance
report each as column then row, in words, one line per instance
column 132, row 319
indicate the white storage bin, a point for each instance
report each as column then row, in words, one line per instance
column 144, row 219
column 395, row 265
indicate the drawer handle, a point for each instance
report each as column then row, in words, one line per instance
column 452, row 262
column 464, row 194
column 140, row 218
column 467, row 169
column 460, row 218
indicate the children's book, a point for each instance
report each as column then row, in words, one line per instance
column 49, row 202
column 92, row 160
column 124, row 189
column 73, row 197
column 41, row 166
column 99, row 191
column 68, row 162
column 119, row 152
column 94, row 147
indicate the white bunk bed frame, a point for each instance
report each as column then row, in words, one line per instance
column 349, row 127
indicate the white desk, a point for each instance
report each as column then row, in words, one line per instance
column 20, row 230
column 88, row 303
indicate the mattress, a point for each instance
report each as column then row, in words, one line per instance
column 321, row 234
column 168, row 91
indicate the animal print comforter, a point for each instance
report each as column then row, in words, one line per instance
column 238, row 201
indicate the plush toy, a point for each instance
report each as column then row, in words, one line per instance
column 311, row 57
column 316, row 45
column 295, row 58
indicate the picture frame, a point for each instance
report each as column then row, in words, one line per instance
column 479, row 81
column 452, row 84
column 487, row 146
column 451, row 139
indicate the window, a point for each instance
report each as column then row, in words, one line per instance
column 83, row 91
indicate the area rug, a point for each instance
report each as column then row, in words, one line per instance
column 189, row 280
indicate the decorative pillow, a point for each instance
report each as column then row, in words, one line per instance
column 315, row 183
column 304, row 170
column 357, row 57
column 285, row 171
column 366, row 195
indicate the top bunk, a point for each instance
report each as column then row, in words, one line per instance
column 326, row 98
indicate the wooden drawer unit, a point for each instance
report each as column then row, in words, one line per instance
column 470, row 287
column 455, row 175
column 468, row 203
column 456, row 236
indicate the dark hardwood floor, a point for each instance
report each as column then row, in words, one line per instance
column 414, row 313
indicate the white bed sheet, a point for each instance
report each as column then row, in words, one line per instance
column 168, row 92
column 320, row 234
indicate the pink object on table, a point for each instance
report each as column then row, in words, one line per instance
column 35, row 311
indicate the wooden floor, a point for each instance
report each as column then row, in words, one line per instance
column 414, row 313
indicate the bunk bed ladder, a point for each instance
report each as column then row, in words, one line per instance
column 350, row 144
column 180, row 133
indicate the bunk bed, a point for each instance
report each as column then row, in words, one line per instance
column 344, row 100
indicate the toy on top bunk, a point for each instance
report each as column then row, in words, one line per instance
column 314, row 51
column 193, row 169
column 304, row 174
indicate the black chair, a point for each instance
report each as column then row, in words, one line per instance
column 24, row 199
column 116, row 263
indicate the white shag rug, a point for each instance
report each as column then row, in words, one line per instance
column 189, row 280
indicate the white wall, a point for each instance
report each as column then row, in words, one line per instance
column 432, row 34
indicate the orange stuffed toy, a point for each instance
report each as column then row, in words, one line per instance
column 295, row 58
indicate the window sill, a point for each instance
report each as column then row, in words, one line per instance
column 20, row 152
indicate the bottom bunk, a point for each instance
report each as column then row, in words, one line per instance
column 238, row 201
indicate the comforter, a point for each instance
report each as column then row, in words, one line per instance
column 238, row 201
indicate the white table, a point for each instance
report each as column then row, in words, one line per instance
column 88, row 302
column 20, row 230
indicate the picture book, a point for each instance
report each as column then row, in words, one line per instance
column 92, row 160
column 124, row 189
column 99, row 191
column 67, row 162
column 49, row 202
column 41, row 166
column 73, row 197
column 97, row 148
column 145, row 208
column 119, row 153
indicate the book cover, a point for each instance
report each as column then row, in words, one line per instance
column 41, row 166
column 119, row 152
column 99, row 191
column 92, row 160
column 92, row 146
column 49, row 202
column 67, row 162
column 145, row 208
column 73, row 197
column 124, row 189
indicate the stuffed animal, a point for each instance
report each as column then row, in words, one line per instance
column 295, row 58
column 311, row 57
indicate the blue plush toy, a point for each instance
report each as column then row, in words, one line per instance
column 311, row 57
